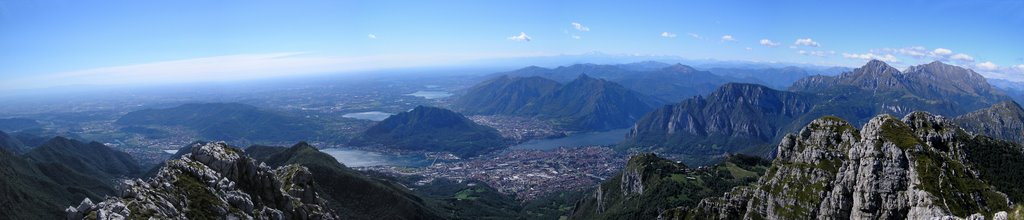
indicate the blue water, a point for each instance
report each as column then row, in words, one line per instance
column 362, row 158
column 430, row 94
column 372, row 116
column 576, row 140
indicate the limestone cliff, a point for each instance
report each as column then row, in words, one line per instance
column 914, row 168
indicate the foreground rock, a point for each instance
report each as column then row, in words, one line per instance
column 915, row 168
column 213, row 181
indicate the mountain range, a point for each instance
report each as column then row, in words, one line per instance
column 666, row 83
column 777, row 78
column 749, row 118
column 583, row 104
column 877, row 87
column 432, row 129
column 43, row 180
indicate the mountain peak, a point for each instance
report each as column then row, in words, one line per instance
column 423, row 108
column 678, row 67
column 584, row 76
column 533, row 68
column 301, row 145
column 741, row 88
column 936, row 66
column 878, row 65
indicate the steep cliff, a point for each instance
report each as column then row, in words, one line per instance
column 745, row 118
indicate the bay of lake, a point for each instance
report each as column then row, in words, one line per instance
column 576, row 140
column 430, row 94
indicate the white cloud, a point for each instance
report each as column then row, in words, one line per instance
column 962, row 57
column 941, row 52
column 919, row 52
column 769, row 43
column 748, row 48
column 371, row 36
column 728, row 38
column 577, row 37
column 872, row 56
column 916, row 51
column 817, row 53
column 580, row 27
column 243, row 67
column 806, row 42
column 668, row 35
column 992, row 70
column 988, row 65
column 521, row 37
column 695, row 36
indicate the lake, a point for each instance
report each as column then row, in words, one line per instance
column 576, row 140
column 430, row 94
column 372, row 116
column 362, row 158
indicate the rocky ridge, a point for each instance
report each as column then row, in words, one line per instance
column 1004, row 120
column 213, row 180
column 912, row 168
column 649, row 184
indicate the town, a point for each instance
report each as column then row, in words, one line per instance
column 527, row 174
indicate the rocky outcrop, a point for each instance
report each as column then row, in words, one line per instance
column 214, row 180
column 891, row 169
column 632, row 183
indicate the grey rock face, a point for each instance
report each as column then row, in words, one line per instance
column 890, row 169
column 214, row 180
column 632, row 183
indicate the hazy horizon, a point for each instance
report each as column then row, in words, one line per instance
column 52, row 44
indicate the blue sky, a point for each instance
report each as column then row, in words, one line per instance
column 110, row 42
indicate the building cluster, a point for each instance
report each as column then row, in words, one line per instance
column 528, row 174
